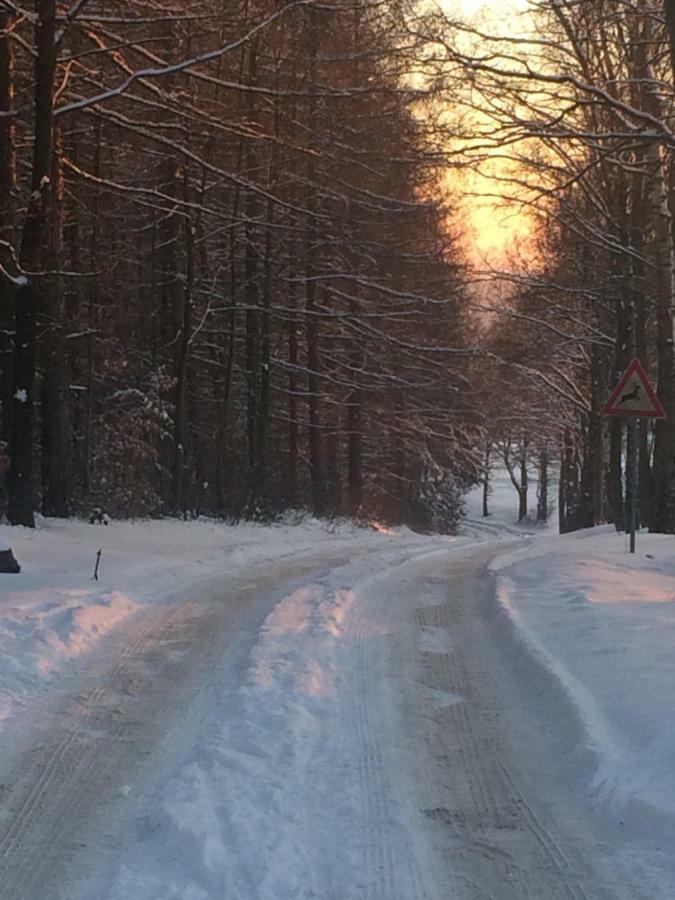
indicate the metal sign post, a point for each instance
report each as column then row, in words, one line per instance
column 634, row 478
column 634, row 397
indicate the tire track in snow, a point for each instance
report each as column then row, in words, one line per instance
column 47, row 815
column 100, row 740
column 39, row 788
column 502, row 847
column 392, row 728
column 309, row 729
column 498, row 809
column 390, row 865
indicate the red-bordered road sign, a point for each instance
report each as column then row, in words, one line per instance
column 634, row 395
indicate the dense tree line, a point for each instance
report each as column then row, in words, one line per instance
column 577, row 105
column 228, row 283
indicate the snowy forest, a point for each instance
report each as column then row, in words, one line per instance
column 236, row 273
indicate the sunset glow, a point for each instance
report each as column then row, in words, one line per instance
column 496, row 233
column 494, row 229
column 488, row 8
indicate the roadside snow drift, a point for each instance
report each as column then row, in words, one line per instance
column 603, row 622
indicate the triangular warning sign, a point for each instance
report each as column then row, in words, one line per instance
column 634, row 395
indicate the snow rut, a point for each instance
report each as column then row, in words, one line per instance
column 303, row 754
column 351, row 748
column 390, row 862
column 502, row 848
column 382, row 859
column 44, row 816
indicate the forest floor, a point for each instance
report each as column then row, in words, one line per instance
column 338, row 713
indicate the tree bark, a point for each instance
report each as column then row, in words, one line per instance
column 315, row 437
column 542, row 487
column 312, row 331
column 354, row 452
column 486, row 479
column 180, row 440
column 7, row 146
column 568, row 492
column 7, row 186
column 520, row 483
column 660, row 185
column 21, row 502
column 55, row 406
column 669, row 9
column 87, row 440
column 638, row 294
column 293, row 388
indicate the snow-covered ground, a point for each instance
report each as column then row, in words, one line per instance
column 603, row 622
column 305, row 711
column 54, row 611
column 503, row 504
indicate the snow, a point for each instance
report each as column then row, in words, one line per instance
column 53, row 611
column 284, row 777
column 603, row 622
column 503, row 502
column 270, row 801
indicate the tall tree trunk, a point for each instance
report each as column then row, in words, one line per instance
column 293, row 388
column 251, row 293
column 355, row 399
column 542, row 485
column 55, row 406
column 169, row 313
column 486, row 479
column 517, row 469
column 663, row 248
column 230, row 349
column 312, row 330
column 92, row 302
column 332, row 467
column 7, row 146
column 354, row 452
column 623, row 344
column 180, row 440
column 568, row 492
column 21, row 502
column 316, row 461
column 522, row 489
column 586, row 466
column 522, row 504
column 596, row 438
column 7, row 185
column 669, row 8
column 663, row 510
column 562, row 497
column 263, row 425
column 638, row 295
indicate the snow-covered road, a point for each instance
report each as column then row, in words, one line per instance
column 359, row 722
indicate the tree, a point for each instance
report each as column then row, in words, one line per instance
column 235, row 261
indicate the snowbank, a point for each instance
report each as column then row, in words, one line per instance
column 54, row 611
column 603, row 622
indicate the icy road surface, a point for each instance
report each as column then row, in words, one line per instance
column 360, row 723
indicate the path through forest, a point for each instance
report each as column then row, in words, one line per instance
column 359, row 724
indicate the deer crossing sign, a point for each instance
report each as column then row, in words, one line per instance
column 634, row 395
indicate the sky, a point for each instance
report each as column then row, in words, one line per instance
column 492, row 232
